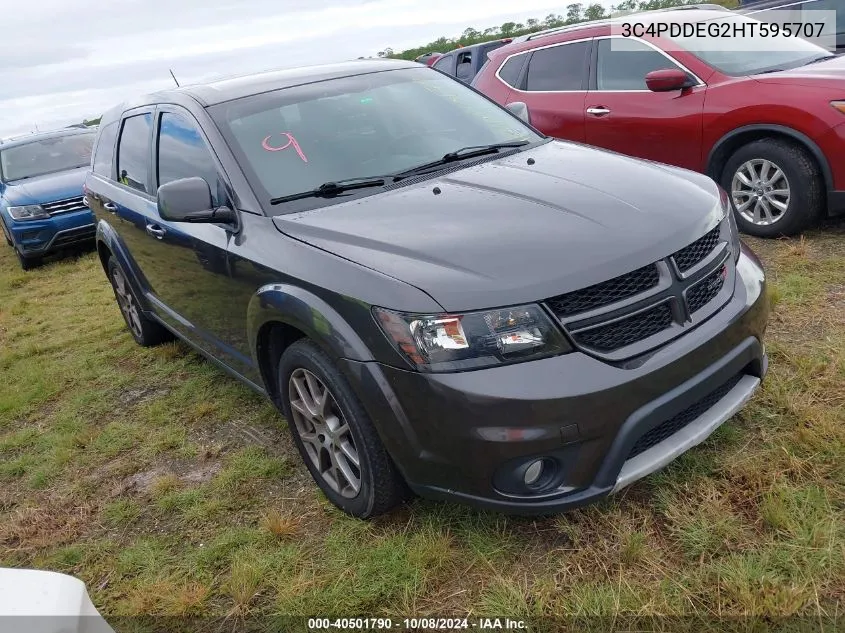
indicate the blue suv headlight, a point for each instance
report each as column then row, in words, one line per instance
column 28, row 212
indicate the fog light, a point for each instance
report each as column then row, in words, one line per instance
column 533, row 472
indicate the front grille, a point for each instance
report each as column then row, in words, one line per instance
column 690, row 255
column 627, row 331
column 72, row 236
column 612, row 315
column 606, row 292
column 676, row 423
column 706, row 290
column 64, row 206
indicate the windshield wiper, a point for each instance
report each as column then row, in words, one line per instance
column 820, row 58
column 459, row 154
column 813, row 60
column 329, row 189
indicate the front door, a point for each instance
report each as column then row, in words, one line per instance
column 623, row 115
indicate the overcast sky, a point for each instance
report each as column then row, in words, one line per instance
column 65, row 60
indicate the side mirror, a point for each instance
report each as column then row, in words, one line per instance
column 189, row 200
column 520, row 109
column 667, row 80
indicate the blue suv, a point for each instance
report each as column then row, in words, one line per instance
column 42, row 208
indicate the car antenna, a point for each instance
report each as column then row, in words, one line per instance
column 174, row 77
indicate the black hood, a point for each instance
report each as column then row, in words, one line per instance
column 506, row 232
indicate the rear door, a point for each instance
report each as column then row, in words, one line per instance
column 553, row 83
column 623, row 115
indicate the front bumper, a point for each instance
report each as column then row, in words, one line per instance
column 36, row 238
column 469, row 435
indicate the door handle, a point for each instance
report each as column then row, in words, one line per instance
column 156, row 231
column 598, row 111
column 110, row 207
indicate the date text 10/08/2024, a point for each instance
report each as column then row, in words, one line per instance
column 411, row 624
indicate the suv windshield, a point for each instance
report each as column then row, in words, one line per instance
column 763, row 54
column 296, row 139
column 45, row 156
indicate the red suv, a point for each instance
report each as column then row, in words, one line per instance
column 769, row 126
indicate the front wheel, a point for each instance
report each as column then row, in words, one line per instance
column 334, row 435
column 775, row 186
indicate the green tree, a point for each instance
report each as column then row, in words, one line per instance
column 573, row 13
column 507, row 28
column 594, row 12
column 553, row 20
column 470, row 34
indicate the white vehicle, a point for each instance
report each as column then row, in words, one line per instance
column 46, row 602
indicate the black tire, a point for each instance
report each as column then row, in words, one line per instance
column 6, row 234
column 145, row 331
column 806, row 185
column 381, row 486
column 28, row 263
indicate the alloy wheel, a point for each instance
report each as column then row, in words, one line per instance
column 126, row 301
column 760, row 192
column 324, row 432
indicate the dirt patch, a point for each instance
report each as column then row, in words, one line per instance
column 140, row 395
column 144, row 482
column 234, row 434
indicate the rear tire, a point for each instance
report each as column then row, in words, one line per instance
column 332, row 431
column 144, row 330
column 775, row 186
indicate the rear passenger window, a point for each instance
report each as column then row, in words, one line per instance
column 558, row 68
column 182, row 153
column 104, row 156
column 509, row 73
column 133, row 153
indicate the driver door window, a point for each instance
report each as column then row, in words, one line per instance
column 182, row 153
column 623, row 64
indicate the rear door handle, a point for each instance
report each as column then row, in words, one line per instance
column 156, row 231
column 598, row 111
column 110, row 207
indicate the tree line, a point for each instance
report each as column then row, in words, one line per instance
column 576, row 12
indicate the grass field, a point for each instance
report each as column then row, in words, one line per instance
column 170, row 489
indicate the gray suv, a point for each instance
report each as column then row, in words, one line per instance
column 437, row 297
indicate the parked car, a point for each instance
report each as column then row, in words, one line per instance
column 769, row 126
column 465, row 62
column 41, row 204
column 428, row 58
column 800, row 12
column 436, row 296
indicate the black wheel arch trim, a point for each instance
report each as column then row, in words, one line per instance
column 299, row 308
column 802, row 138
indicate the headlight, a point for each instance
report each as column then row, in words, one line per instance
column 728, row 209
column 28, row 212
column 449, row 342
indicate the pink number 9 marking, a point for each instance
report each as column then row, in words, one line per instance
column 292, row 142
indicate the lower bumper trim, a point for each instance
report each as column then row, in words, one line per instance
column 691, row 435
